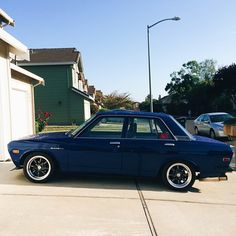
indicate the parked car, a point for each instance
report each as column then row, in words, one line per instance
column 124, row 143
column 211, row 124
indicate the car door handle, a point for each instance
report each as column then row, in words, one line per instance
column 170, row 144
column 115, row 143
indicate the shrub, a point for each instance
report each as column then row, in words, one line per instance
column 41, row 120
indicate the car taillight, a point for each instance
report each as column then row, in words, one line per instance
column 226, row 159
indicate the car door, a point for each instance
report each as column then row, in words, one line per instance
column 206, row 125
column 148, row 144
column 97, row 149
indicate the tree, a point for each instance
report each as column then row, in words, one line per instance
column 225, row 82
column 189, row 85
column 117, row 100
column 145, row 105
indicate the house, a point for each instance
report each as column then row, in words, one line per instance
column 97, row 95
column 16, row 89
column 65, row 94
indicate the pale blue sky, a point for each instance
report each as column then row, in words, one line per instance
column 111, row 35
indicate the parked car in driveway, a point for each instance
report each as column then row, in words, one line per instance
column 140, row 144
column 211, row 124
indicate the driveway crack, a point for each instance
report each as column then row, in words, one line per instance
column 146, row 211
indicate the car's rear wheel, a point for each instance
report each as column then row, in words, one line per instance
column 38, row 167
column 212, row 134
column 179, row 176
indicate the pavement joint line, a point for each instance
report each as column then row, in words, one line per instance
column 119, row 198
column 64, row 196
column 192, row 202
column 146, row 211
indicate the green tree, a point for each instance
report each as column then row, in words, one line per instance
column 190, row 85
column 145, row 105
column 225, row 82
column 117, row 100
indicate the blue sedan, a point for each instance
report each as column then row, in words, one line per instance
column 140, row 144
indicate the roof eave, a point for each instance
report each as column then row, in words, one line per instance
column 45, row 63
column 15, row 46
column 85, row 95
column 30, row 75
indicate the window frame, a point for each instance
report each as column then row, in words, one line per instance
column 95, row 122
column 155, row 119
column 125, row 127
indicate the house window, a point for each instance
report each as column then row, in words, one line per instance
column 75, row 79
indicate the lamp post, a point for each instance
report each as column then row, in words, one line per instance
column 149, row 60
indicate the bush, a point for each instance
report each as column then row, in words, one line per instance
column 41, row 120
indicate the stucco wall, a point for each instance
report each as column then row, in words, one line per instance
column 5, row 114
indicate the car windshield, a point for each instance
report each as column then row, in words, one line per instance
column 220, row 117
column 75, row 131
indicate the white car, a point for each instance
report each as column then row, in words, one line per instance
column 211, row 124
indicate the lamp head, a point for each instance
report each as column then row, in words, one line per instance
column 176, row 18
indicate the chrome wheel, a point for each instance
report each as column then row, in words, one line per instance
column 38, row 167
column 179, row 176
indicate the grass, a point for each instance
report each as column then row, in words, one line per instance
column 58, row 128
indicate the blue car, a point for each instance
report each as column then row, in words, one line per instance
column 139, row 144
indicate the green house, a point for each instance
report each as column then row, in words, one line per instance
column 65, row 94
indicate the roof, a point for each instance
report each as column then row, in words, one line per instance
column 85, row 95
column 91, row 89
column 15, row 46
column 134, row 113
column 52, row 56
column 4, row 18
column 215, row 113
column 27, row 73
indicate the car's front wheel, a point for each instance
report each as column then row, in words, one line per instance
column 38, row 167
column 212, row 134
column 179, row 176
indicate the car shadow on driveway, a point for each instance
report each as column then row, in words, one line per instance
column 16, row 177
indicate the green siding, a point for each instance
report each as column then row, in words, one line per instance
column 56, row 96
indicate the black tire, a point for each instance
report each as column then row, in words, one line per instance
column 179, row 176
column 38, row 167
column 196, row 131
column 212, row 134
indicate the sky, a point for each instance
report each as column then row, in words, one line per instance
column 112, row 37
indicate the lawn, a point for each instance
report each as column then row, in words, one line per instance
column 58, row 128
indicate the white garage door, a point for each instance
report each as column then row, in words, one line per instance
column 87, row 112
column 21, row 109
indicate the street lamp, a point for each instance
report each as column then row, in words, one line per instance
column 149, row 61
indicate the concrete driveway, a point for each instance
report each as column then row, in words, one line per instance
column 97, row 206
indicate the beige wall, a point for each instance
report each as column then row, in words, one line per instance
column 5, row 113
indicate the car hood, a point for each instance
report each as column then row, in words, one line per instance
column 44, row 136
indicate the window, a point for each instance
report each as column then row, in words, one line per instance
column 205, row 118
column 144, row 128
column 107, row 127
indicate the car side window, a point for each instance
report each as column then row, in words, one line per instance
column 205, row 118
column 200, row 118
column 145, row 128
column 106, row 127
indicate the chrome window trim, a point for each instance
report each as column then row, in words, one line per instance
column 127, row 116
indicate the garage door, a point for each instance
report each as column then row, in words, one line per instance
column 21, row 109
column 87, row 112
